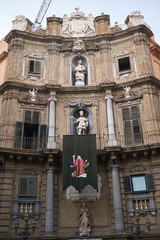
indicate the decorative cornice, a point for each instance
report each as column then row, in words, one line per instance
column 16, row 44
column 29, row 171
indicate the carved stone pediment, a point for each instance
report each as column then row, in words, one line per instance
column 66, row 47
column 29, row 171
column 78, row 25
column 122, row 97
column 80, row 103
column 90, row 45
column 27, row 99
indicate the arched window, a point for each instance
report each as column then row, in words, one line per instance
column 79, row 70
column 75, row 115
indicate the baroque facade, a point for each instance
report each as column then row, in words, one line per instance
column 78, row 64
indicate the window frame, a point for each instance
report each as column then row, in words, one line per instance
column 27, row 194
column 129, row 63
column 128, row 183
column 36, row 65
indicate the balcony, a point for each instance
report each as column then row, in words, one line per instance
column 26, row 143
column 132, row 140
column 141, row 205
column 102, row 141
column 23, row 207
column 30, row 143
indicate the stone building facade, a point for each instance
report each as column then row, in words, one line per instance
column 78, row 63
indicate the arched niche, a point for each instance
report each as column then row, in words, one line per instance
column 75, row 114
column 73, row 64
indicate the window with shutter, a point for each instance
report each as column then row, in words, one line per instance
column 34, row 67
column 139, row 183
column 27, row 187
column 132, row 126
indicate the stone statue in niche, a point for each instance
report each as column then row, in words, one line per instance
column 80, row 72
column 128, row 91
column 82, row 124
column 84, row 228
column 33, row 94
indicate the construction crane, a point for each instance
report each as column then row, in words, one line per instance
column 42, row 11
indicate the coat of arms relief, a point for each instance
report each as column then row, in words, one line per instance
column 78, row 25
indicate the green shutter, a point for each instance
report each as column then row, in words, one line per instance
column 37, row 67
column 23, row 187
column 135, row 112
column 128, row 132
column 32, row 187
column 43, row 136
column 35, row 117
column 127, row 184
column 27, row 116
column 150, row 182
column 18, row 135
column 126, row 114
column 31, row 117
column 27, row 187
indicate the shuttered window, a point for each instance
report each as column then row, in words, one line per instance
column 132, row 126
column 27, row 187
column 32, row 117
column 34, row 67
column 139, row 183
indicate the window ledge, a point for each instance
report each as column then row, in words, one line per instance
column 125, row 71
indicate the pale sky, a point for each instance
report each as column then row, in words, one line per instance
column 117, row 9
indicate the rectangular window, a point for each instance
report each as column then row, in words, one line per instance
column 34, row 67
column 132, row 126
column 27, row 187
column 124, row 64
column 139, row 183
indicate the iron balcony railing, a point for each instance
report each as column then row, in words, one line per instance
column 102, row 141
column 30, row 142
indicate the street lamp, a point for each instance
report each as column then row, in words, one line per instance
column 135, row 228
column 25, row 234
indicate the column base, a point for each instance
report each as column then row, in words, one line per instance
column 112, row 142
column 51, row 144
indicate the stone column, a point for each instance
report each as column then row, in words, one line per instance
column 118, row 210
column 111, row 126
column 49, row 213
column 52, row 124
